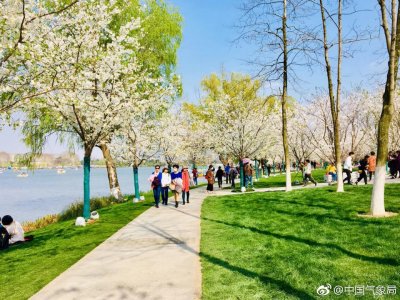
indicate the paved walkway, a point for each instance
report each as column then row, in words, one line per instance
column 156, row 256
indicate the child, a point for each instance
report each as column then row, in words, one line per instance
column 14, row 229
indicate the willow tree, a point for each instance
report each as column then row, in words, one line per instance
column 390, row 21
column 239, row 119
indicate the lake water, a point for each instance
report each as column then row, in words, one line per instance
column 45, row 192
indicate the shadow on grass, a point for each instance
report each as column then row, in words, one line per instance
column 379, row 260
column 282, row 285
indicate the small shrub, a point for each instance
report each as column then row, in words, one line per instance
column 40, row 223
column 75, row 209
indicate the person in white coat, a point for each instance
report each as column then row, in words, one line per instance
column 348, row 167
column 14, row 229
column 165, row 182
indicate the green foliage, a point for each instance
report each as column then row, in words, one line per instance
column 285, row 245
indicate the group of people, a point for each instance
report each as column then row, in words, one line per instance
column 366, row 168
column 11, row 232
column 178, row 181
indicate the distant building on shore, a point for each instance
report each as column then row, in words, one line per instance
column 43, row 161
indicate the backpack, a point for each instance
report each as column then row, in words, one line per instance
column 156, row 181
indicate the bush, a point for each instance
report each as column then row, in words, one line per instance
column 40, row 223
column 75, row 209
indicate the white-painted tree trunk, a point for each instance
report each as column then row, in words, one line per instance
column 378, row 192
column 339, row 173
column 288, row 180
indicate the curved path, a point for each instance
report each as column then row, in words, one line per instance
column 156, row 256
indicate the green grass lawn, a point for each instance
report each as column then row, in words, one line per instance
column 280, row 180
column 279, row 245
column 26, row 268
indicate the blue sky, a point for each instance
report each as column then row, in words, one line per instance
column 207, row 47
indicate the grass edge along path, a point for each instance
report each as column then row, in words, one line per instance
column 281, row 245
column 29, row 267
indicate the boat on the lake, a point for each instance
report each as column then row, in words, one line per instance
column 61, row 171
column 23, row 175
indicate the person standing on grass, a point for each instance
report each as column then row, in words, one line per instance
column 195, row 176
column 307, row 173
column 227, row 170
column 219, row 175
column 165, row 182
column 362, row 168
column 185, row 184
column 210, row 179
column 176, row 183
column 348, row 167
column 155, row 180
column 371, row 165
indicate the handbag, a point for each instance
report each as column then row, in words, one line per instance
column 172, row 186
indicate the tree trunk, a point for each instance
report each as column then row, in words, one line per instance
column 115, row 189
column 136, row 179
column 334, row 103
column 241, row 173
column 284, row 102
column 378, row 191
column 86, row 183
column 336, row 122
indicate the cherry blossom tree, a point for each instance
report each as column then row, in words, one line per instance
column 96, row 75
column 20, row 35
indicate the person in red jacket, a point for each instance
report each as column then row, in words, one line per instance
column 185, row 184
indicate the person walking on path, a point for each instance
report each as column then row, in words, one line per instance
column 248, row 172
column 210, row 179
column 220, row 175
column 165, row 182
column 185, row 184
column 155, row 180
column 227, row 170
column 176, row 183
column 348, row 167
column 362, row 168
column 232, row 175
column 371, row 165
column 307, row 173
column 195, row 176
